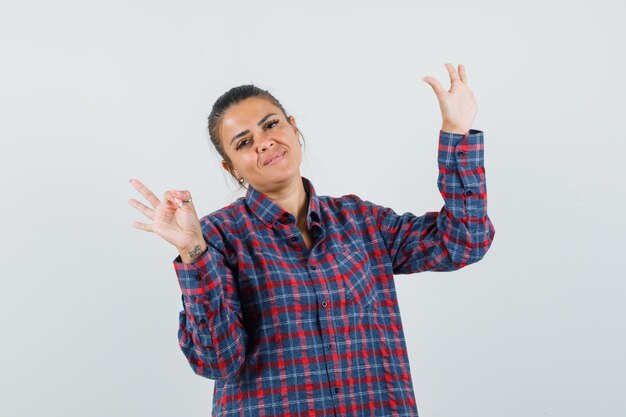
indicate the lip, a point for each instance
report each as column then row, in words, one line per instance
column 277, row 156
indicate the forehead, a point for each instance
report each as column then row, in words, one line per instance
column 245, row 115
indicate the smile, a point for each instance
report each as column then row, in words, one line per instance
column 274, row 159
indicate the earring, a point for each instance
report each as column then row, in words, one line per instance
column 241, row 181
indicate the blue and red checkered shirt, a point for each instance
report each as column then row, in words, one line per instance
column 285, row 331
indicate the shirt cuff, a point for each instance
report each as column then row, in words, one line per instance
column 193, row 277
column 461, row 151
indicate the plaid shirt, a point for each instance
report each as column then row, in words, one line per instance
column 285, row 331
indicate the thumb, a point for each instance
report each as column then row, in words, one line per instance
column 437, row 88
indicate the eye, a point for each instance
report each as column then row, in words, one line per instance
column 242, row 143
column 271, row 124
column 246, row 142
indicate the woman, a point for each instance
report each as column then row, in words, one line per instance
column 289, row 299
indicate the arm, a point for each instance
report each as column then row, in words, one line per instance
column 211, row 333
column 461, row 232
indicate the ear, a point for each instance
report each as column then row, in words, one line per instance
column 228, row 168
column 292, row 121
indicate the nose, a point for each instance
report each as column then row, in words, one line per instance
column 265, row 143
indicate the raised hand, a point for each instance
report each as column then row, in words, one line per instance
column 458, row 105
column 174, row 219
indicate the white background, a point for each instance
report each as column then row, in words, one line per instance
column 95, row 93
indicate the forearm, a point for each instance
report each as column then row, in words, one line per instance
column 463, row 221
column 211, row 332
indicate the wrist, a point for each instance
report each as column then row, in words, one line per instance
column 193, row 252
column 453, row 129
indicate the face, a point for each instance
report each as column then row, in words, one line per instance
column 261, row 144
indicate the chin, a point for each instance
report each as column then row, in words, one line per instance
column 286, row 176
column 282, row 177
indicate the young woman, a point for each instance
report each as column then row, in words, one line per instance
column 289, row 302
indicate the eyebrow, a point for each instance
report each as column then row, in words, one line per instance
column 245, row 132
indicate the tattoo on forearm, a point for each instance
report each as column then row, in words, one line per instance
column 195, row 252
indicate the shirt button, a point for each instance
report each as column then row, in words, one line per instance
column 324, row 304
column 202, row 321
column 198, row 278
column 330, row 346
column 460, row 153
column 293, row 238
column 268, row 220
column 336, row 390
column 469, row 192
column 313, row 267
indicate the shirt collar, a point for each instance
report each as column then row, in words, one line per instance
column 269, row 212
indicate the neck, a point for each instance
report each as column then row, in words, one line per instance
column 293, row 198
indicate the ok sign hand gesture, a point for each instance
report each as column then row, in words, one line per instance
column 174, row 219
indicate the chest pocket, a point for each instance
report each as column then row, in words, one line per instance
column 358, row 281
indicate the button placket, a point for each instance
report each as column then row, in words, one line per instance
column 327, row 331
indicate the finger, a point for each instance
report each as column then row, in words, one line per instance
column 169, row 197
column 183, row 195
column 462, row 73
column 454, row 76
column 143, row 226
column 147, row 211
column 149, row 195
column 179, row 198
column 434, row 83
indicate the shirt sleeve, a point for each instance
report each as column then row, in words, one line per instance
column 457, row 235
column 211, row 333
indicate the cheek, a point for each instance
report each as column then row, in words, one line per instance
column 297, row 152
column 247, row 159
